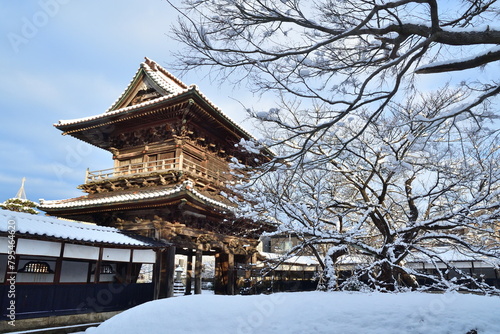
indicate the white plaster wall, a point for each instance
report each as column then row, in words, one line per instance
column 116, row 254
column 81, row 252
column 38, row 247
column 144, row 256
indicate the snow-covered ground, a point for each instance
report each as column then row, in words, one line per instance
column 310, row 313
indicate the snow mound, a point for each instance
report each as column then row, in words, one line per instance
column 311, row 313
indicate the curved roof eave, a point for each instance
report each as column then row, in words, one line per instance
column 186, row 186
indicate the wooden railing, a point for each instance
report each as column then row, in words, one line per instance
column 143, row 168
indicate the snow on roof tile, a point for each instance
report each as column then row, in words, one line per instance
column 164, row 79
column 131, row 197
column 37, row 225
column 172, row 85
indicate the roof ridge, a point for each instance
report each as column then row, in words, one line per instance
column 154, row 66
column 149, row 67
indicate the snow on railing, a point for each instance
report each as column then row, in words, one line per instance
column 143, row 168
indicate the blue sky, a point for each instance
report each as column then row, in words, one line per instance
column 65, row 59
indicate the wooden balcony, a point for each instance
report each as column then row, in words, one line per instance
column 159, row 166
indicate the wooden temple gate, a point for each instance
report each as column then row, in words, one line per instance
column 194, row 243
column 172, row 150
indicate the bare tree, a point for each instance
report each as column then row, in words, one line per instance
column 414, row 184
column 373, row 161
column 343, row 56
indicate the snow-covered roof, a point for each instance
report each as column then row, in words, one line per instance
column 166, row 84
column 166, row 81
column 447, row 254
column 87, row 201
column 294, row 260
column 36, row 225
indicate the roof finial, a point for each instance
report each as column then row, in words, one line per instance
column 151, row 63
column 21, row 194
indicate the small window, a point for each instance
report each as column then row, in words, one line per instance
column 105, row 269
column 37, row 267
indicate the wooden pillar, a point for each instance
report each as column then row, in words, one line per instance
column 58, row 268
column 157, row 274
column 220, row 274
column 225, row 274
column 197, row 270
column 231, row 275
column 170, row 270
column 179, row 155
column 97, row 270
column 163, row 275
column 250, row 263
column 189, row 273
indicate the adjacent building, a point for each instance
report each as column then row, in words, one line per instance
column 65, row 269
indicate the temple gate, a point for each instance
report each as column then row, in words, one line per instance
column 171, row 149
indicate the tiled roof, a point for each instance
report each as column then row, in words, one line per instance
column 171, row 86
column 186, row 186
column 36, row 225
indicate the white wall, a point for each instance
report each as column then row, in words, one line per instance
column 38, row 247
column 116, row 254
column 81, row 252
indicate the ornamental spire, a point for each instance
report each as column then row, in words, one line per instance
column 21, row 194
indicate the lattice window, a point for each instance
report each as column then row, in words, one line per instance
column 37, row 267
column 107, row 269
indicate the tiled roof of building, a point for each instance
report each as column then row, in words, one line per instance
column 170, row 87
column 110, row 198
column 43, row 226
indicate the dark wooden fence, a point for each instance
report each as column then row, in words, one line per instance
column 41, row 300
